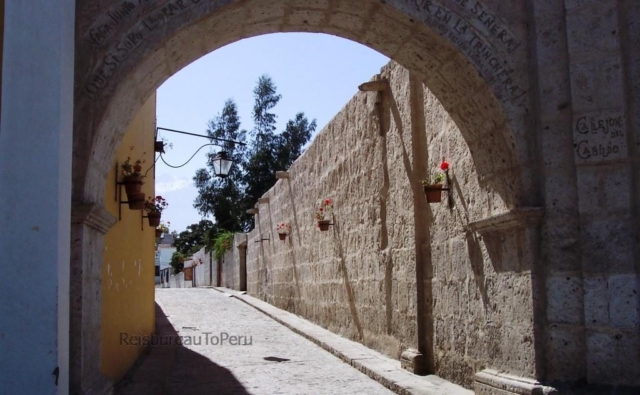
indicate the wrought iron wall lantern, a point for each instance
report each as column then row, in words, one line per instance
column 222, row 162
column 158, row 146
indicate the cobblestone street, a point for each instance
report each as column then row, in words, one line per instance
column 274, row 361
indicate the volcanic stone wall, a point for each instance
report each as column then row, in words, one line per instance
column 362, row 278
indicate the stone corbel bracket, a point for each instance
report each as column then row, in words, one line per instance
column 512, row 219
column 252, row 211
column 282, row 175
column 94, row 216
column 380, row 85
column 263, row 200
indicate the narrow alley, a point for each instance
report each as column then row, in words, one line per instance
column 268, row 359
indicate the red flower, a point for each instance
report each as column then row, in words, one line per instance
column 321, row 209
column 327, row 202
column 444, row 166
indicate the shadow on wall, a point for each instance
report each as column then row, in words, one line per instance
column 415, row 166
column 477, row 266
column 347, row 283
column 168, row 368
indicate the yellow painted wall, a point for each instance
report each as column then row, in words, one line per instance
column 128, row 273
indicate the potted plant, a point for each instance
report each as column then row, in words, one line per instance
column 433, row 190
column 162, row 229
column 154, row 208
column 283, row 230
column 132, row 181
column 325, row 209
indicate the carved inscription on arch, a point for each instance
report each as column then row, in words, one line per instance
column 481, row 19
column 130, row 40
column 470, row 35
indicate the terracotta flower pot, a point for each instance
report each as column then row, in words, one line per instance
column 433, row 193
column 282, row 236
column 132, row 184
column 324, row 225
column 136, row 201
column 158, row 233
column 154, row 218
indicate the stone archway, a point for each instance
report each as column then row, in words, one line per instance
column 472, row 55
column 474, row 61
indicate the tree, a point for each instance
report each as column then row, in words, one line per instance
column 220, row 197
column 290, row 142
column 262, row 161
column 177, row 262
column 195, row 237
column 265, row 100
column 253, row 172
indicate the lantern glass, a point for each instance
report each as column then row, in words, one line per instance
column 222, row 164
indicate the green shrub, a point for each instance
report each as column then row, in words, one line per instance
column 177, row 262
column 222, row 243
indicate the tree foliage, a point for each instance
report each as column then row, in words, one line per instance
column 222, row 243
column 254, row 168
column 177, row 262
column 220, row 197
column 195, row 237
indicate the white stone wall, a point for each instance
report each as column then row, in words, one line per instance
column 202, row 268
column 176, row 280
column 229, row 270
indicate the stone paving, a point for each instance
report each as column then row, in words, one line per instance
column 274, row 361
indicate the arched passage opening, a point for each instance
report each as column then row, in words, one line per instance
column 472, row 60
column 480, row 77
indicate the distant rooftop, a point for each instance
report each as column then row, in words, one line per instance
column 167, row 239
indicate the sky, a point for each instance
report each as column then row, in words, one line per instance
column 315, row 73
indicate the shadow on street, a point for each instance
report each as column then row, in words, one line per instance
column 167, row 368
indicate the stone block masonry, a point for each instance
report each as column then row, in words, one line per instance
column 359, row 279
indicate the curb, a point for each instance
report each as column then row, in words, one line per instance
column 378, row 367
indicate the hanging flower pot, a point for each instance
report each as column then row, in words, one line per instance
column 324, row 225
column 136, row 201
column 132, row 184
column 325, row 209
column 164, row 227
column 283, row 230
column 433, row 193
column 132, row 181
column 158, row 232
column 154, row 218
column 433, row 189
column 154, row 208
